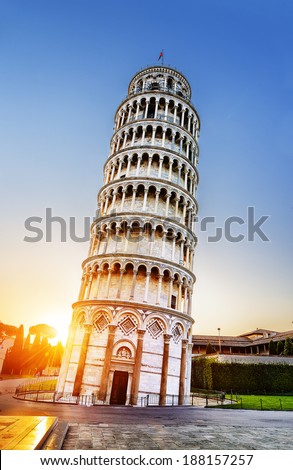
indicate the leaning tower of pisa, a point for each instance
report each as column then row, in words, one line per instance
column 130, row 334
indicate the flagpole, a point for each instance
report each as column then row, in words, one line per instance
column 163, row 57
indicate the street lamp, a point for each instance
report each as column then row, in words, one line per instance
column 219, row 331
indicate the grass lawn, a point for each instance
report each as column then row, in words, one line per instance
column 258, row 402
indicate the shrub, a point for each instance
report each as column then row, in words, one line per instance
column 243, row 378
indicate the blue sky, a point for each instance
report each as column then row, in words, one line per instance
column 65, row 67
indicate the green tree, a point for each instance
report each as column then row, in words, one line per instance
column 280, row 347
column 288, row 347
column 210, row 349
column 272, row 348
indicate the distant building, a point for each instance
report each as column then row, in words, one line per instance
column 253, row 342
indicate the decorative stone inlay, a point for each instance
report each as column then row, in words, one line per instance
column 101, row 323
column 124, row 353
column 177, row 333
column 155, row 328
column 127, row 325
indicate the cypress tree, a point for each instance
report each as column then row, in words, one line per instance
column 280, row 347
column 287, row 347
column 272, row 348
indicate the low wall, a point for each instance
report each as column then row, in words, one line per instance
column 242, row 359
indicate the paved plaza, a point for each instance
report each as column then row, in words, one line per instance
column 107, row 427
column 190, row 436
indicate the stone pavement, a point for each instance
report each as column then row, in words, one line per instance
column 107, row 427
column 165, row 437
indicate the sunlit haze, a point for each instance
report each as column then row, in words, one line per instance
column 65, row 67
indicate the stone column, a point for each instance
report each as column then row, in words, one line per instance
column 107, row 362
column 164, row 243
column 146, row 109
column 113, row 171
column 184, row 211
column 163, row 138
column 66, row 360
column 156, row 109
column 164, row 376
column 185, row 178
column 122, row 271
column 146, row 189
column 138, row 164
column 133, row 284
column 173, row 140
column 189, row 302
column 82, row 359
column 179, row 173
column 133, row 137
column 82, row 287
column 166, row 110
column 185, row 300
column 160, row 166
column 167, row 204
column 96, row 291
column 157, row 199
column 106, row 204
column 125, row 140
column 170, row 292
column 179, row 299
column 133, row 198
column 182, row 117
column 175, row 113
column 137, row 367
column 170, row 169
column 143, row 135
column 153, row 136
column 106, row 240
column 137, row 110
column 147, row 281
column 181, row 260
column 189, row 223
column 129, row 113
column 158, row 301
column 182, row 372
column 149, row 165
column 108, row 282
column 189, row 121
column 127, row 235
column 187, row 254
column 114, row 199
column 89, row 287
column 176, row 205
column 152, row 240
column 123, row 199
column 123, row 117
column 173, row 247
column 187, row 149
column 128, row 166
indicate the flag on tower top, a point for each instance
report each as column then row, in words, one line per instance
column 161, row 55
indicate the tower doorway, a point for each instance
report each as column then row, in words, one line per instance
column 119, row 388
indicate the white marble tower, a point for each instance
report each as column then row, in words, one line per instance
column 130, row 334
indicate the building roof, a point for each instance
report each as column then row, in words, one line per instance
column 243, row 340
